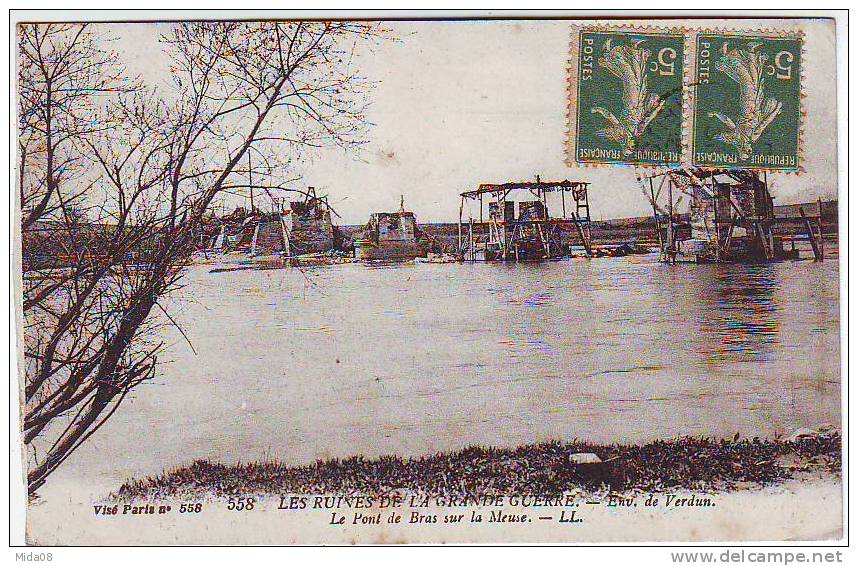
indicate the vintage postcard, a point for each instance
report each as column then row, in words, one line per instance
column 309, row 280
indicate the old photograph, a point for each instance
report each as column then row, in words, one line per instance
column 284, row 280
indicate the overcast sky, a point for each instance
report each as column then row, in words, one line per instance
column 463, row 103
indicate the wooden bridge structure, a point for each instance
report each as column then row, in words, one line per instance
column 540, row 229
column 731, row 217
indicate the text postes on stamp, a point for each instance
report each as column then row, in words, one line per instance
column 747, row 110
column 629, row 97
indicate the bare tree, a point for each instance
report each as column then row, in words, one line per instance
column 63, row 72
column 97, row 264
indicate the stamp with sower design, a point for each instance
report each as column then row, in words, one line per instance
column 629, row 87
column 747, row 110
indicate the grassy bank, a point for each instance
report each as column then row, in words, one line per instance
column 544, row 469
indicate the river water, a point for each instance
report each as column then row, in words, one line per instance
column 418, row 358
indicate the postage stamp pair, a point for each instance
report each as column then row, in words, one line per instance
column 670, row 97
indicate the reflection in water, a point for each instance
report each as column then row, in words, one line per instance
column 744, row 320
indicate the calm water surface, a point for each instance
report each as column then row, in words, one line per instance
column 418, row 358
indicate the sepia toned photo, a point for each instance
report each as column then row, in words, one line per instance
column 294, row 280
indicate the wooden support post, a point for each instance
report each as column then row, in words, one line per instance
column 286, row 245
column 502, row 235
column 461, row 208
column 714, row 201
column 655, row 217
column 814, row 243
column 471, row 237
column 545, row 203
column 764, row 240
column 670, row 251
column 821, row 237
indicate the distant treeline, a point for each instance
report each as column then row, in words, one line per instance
column 49, row 244
column 642, row 228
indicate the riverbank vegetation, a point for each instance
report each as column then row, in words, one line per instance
column 543, row 469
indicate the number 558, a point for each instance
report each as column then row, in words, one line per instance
column 240, row 503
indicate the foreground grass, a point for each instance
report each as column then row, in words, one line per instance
column 543, row 469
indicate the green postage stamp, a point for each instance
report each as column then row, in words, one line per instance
column 747, row 108
column 629, row 92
